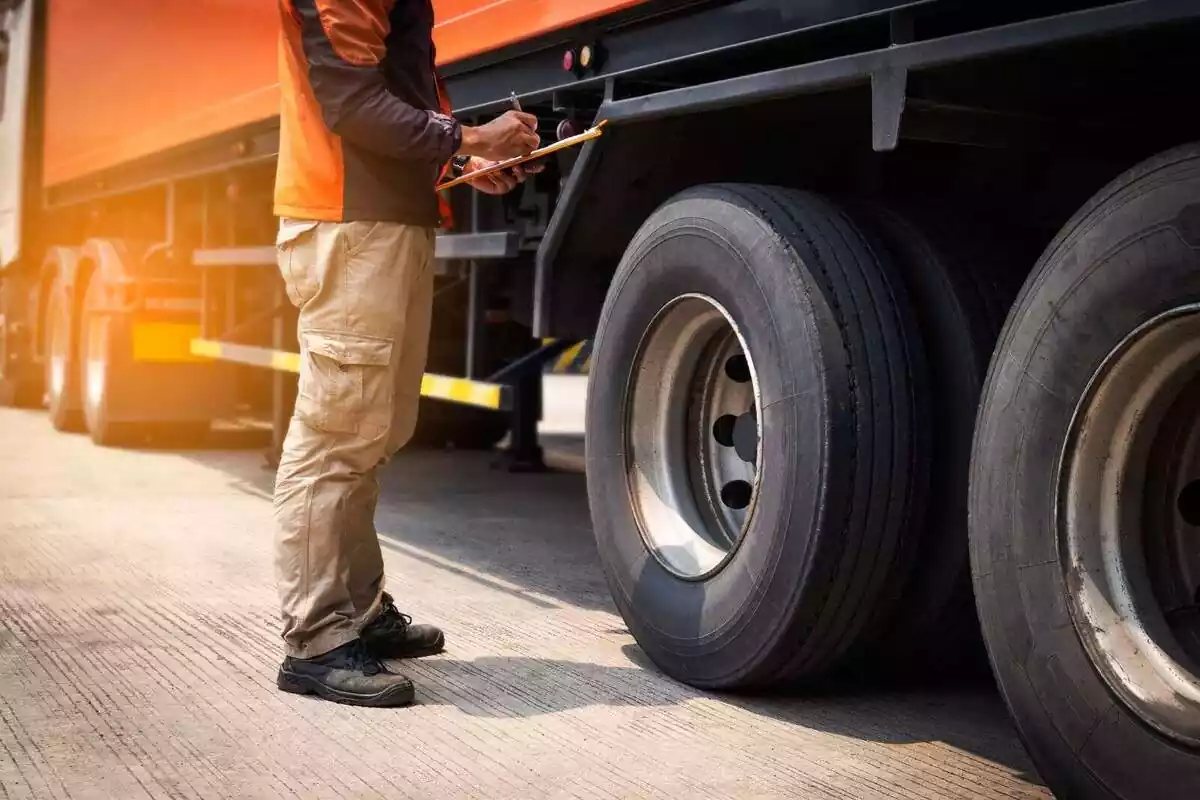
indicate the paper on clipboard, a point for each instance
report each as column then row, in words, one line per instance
column 562, row 144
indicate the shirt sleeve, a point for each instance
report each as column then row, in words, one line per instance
column 344, row 44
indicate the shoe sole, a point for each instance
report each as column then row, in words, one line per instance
column 392, row 697
column 428, row 651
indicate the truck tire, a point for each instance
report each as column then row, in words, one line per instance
column 63, row 398
column 99, row 373
column 116, row 410
column 1084, row 506
column 962, row 279
column 756, row 436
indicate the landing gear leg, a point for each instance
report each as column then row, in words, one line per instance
column 524, row 453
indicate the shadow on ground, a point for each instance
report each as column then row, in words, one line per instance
column 965, row 718
column 457, row 511
column 531, row 530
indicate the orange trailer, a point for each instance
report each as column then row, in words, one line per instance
column 127, row 79
column 892, row 307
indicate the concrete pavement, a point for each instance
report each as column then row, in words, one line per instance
column 139, row 641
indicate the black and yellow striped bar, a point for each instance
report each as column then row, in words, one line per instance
column 495, row 396
column 247, row 354
column 575, row 360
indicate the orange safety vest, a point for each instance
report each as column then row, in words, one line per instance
column 444, row 209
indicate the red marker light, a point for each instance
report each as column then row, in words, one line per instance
column 569, row 60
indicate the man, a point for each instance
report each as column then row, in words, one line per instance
column 365, row 133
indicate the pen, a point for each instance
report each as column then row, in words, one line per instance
column 515, row 102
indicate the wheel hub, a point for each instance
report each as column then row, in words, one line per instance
column 692, row 437
column 1129, row 522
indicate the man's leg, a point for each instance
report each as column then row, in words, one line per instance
column 352, row 283
column 410, row 366
column 366, row 578
column 391, row 634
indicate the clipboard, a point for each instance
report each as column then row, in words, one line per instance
column 562, row 144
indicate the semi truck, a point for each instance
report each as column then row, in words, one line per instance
column 893, row 308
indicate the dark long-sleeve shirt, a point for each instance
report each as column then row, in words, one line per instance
column 365, row 128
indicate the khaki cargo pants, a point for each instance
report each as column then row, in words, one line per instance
column 365, row 295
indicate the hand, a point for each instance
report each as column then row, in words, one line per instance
column 503, row 181
column 508, row 136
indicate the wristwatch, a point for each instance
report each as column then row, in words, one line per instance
column 458, row 165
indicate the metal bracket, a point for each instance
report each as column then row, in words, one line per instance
column 234, row 257
column 889, row 86
column 448, row 246
column 469, row 246
column 888, row 94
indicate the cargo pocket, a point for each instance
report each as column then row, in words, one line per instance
column 345, row 383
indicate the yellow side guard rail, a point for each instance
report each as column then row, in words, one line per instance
column 495, row 396
column 575, row 360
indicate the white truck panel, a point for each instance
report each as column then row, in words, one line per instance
column 17, row 22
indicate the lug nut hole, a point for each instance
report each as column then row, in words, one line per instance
column 736, row 494
column 723, row 430
column 738, row 369
column 1188, row 503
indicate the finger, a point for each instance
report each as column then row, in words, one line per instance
column 500, row 181
column 507, row 181
column 526, row 119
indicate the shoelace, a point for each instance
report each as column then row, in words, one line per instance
column 394, row 620
column 363, row 660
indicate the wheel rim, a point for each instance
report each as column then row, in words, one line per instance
column 692, row 437
column 95, row 354
column 60, row 338
column 1129, row 522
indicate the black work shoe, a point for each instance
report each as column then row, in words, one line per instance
column 393, row 635
column 348, row 675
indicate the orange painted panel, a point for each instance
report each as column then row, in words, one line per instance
column 470, row 27
column 129, row 78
